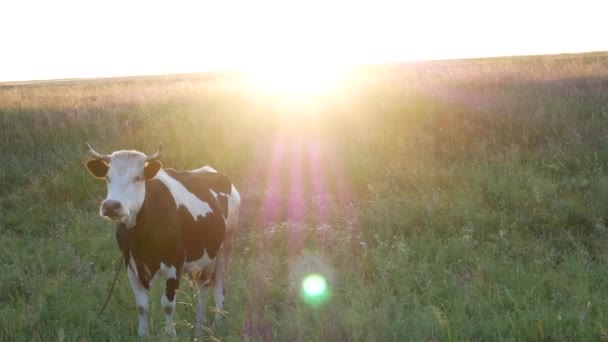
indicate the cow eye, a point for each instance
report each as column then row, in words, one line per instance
column 137, row 179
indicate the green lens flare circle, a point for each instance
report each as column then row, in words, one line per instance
column 315, row 290
column 314, row 285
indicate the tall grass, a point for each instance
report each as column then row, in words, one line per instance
column 456, row 200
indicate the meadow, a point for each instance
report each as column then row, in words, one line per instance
column 442, row 201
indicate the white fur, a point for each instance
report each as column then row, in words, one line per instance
column 234, row 204
column 141, row 300
column 168, row 272
column 170, row 325
column 205, row 168
column 124, row 167
column 198, row 264
column 234, row 201
column 182, row 196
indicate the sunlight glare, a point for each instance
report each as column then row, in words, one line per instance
column 297, row 79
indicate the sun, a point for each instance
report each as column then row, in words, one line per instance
column 291, row 57
column 297, row 78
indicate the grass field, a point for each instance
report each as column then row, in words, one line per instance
column 454, row 200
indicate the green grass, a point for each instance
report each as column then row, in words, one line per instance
column 455, row 200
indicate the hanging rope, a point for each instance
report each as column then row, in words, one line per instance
column 118, row 266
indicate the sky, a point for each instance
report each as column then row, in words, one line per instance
column 73, row 39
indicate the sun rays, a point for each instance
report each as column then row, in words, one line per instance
column 302, row 177
column 297, row 177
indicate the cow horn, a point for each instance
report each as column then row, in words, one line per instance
column 156, row 155
column 97, row 154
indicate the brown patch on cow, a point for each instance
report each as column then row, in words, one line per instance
column 168, row 310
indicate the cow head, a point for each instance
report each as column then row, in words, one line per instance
column 125, row 173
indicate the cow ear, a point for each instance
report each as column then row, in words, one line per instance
column 152, row 168
column 97, row 168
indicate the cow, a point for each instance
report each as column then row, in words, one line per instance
column 169, row 222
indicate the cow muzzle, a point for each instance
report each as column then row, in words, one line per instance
column 112, row 209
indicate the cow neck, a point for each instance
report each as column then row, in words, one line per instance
column 129, row 240
column 138, row 228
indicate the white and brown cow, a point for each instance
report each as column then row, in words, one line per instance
column 169, row 222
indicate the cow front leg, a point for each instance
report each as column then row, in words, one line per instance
column 141, row 301
column 167, row 302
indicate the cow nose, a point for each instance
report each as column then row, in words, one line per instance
column 110, row 208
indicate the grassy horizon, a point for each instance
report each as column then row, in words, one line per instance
column 454, row 200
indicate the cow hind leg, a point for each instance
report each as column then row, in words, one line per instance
column 200, row 310
column 218, row 287
column 141, row 300
column 227, row 251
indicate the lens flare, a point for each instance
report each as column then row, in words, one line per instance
column 298, row 79
column 315, row 290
